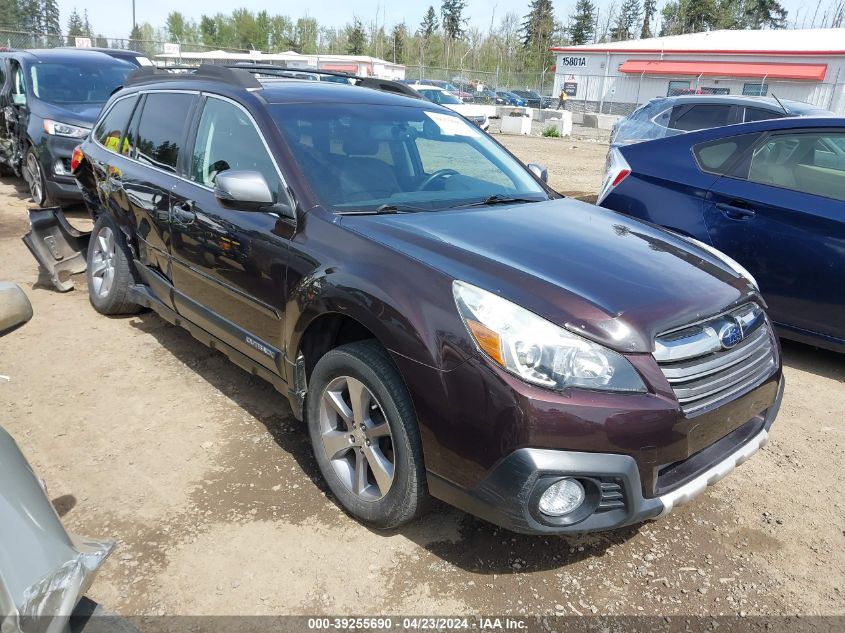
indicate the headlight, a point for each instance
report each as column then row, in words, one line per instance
column 537, row 351
column 734, row 265
column 57, row 128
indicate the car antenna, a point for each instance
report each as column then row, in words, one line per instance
column 780, row 103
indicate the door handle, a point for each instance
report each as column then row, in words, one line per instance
column 183, row 212
column 734, row 212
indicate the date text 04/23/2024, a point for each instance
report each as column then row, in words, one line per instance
column 417, row 624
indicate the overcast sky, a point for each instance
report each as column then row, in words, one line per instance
column 113, row 18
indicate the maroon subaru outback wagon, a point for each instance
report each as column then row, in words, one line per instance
column 443, row 321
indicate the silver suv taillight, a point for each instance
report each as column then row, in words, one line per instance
column 617, row 169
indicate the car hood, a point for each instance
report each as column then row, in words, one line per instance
column 83, row 114
column 613, row 279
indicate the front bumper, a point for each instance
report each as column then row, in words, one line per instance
column 508, row 495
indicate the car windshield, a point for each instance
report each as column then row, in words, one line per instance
column 440, row 97
column 77, row 82
column 360, row 158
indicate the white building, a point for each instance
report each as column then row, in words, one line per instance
column 804, row 65
column 362, row 65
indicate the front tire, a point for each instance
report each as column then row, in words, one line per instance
column 109, row 273
column 34, row 176
column 364, row 434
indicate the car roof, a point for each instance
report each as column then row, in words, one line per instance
column 64, row 55
column 279, row 91
column 767, row 125
column 427, row 87
column 765, row 102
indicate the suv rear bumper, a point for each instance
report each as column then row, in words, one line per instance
column 508, row 495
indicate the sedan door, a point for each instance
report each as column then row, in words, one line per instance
column 229, row 261
column 781, row 214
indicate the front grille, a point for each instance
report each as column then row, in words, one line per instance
column 703, row 371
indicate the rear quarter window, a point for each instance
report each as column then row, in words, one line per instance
column 760, row 114
column 722, row 156
column 112, row 127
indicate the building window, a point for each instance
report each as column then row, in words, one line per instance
column 755, row 90
column 678, row 88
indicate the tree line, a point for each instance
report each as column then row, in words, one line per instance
column 443, row 37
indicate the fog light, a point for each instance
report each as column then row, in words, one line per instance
column 562, row 497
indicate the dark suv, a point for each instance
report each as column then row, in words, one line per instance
column 444, row 322
column 48, row 101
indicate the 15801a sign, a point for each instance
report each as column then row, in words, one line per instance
column 572, row 62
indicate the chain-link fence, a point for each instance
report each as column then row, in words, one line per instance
column 623, row 94
column 500, row 79
column 150, row 48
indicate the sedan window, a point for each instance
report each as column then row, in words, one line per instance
column 699, row 117
column 810, row 163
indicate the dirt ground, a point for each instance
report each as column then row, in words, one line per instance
column 207, row 484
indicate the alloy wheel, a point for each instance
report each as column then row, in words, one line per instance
column 102, row 262
column 33, row 172
column 356, row 438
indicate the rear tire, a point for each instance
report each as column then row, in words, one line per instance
column 109, row 272
column 365, row 437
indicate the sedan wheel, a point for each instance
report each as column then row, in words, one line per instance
column 356, row 438
column 103, row 262
column 34, row 178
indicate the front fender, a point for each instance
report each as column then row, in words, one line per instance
column 405, row 313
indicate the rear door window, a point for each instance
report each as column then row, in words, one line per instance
column 112, row 127
column 811, row 163
column 161, row 129
column 701, row 116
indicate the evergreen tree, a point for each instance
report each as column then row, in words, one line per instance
column 764, row 13
column 452, row 17
column 75, row 26
column 399, row 35
column 429, row 25
column 30, row 16
column 86, row 25
column 649, row 9
column 52, row 18
column 538, row 30
column 356, row 41
column 583, row 22
column 9, row 16
column 627, row 20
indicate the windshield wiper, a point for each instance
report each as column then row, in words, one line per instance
column 385, row 209
column 498, row 198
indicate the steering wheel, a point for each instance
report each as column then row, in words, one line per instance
column 440, row 173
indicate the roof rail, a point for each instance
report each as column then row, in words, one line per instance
column 374, row 83
column 225, row 74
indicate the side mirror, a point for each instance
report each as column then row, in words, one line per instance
column 540, row 171
column 248, row 190
column 15, row 308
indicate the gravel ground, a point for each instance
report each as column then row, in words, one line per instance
column 206, row 482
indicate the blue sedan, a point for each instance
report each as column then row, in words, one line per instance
column 771, row 195
column 511, row 99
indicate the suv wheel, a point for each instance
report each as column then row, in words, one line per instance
column 364, row 434
column 109, row 274
column 34, row 176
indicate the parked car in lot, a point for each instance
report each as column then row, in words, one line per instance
column 123, row 54
column 463, row 95
column 488, row 97
column 48, row 102
column 511, row 99
column 770, row 194
column 535, row 100
column 475, row 113
column 444, row 322
column 668, row 116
